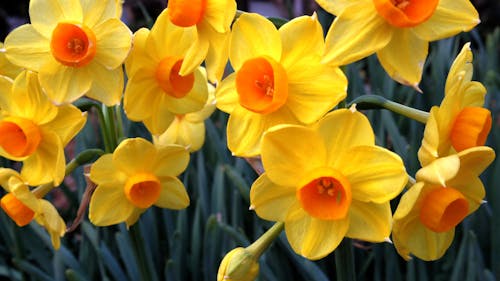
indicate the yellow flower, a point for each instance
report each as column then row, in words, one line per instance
column 278, row 79
column 327, row 182
column 76, row 46
column 135, row 177
column 447, row 190
column 188, row 129
column 212, row 21
column 399, row 31
column 6, row 67
column 238, row 265
column 23, row 206
column 155, row 91
column 34, row 130
column 460, row 122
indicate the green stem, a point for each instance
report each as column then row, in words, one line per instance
column 260, row 245
column 109, row 125
column 377, row 102
column 83, row 158
column 344, row 261
column 119, row 124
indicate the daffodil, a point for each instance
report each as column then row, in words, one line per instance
column 460, row 122
column 399, row 31
column 278, row 79
column 135, row 177
column 447, row 190
column 35, row 131
column 76, row 46
column 156, row 92
column 212, row 21
column 188, row 129
column 326, row 182
column 23, row 206
column 6, row 67
column 238, row 265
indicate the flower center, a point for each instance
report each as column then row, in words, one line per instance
column 406, row 13
column 186, row 13
column 72, row 44
column 443, row 208
column 167, row 75
column 19, row 137
column 326, row 197
column 470, row 128
column 142, row 190
column 262, row 85
column 16, row 210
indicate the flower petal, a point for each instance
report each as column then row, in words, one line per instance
column 356, row 33
column 138, row 56
column 440, row 170
column 226, row 96
column 428, row 151
column 52, row 222
column 404, row 56
column 45, row 15
column 134, row 155
column 141, row 90
column 342, row 129
column 476, row 159
column 369, row 221
column 170, row 161
column 192, row 101
column 107, row 85
column 269, row 200
column 103, row 171
column 334, row 7
column 313, row 238
column 27, row 48
column 101, row 212
column 450, row 18
column 253, row 36
column 96, row 12
column 219, row 14
column 68, row 122
column 375, row 173
column 173, row 194
column 114, row 41
column 291, row 150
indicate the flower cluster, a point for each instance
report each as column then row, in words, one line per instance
column 324, row 178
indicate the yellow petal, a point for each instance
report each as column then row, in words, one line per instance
column 450, row 18
column 101, row 212
column 404, row 56
column 47, row 164
column 5, row 175
column 161, row 116
column 461, row 69
column 253, row 36
column 428, row 151
column 302, row 39
column 5, row 91
column 107, row 85
column 291, row 150
column 369, row 221
column 194, row 100
column 68, row 122
column 134, row 155
column 182, row 132
column 226, row 96
column 314, row 89
column 375, row 173
column 471, row 187
column 63, row 84
column 114, row 41
column 170, row 161
column 271, row 201
column 96, row 12
column 134, row 217
column 476, row 159
column 138, row 56
column 218, row 53
column 219, row 14
column 52, row 222
column 21, row 191
column 313, row 238
column 142, row 88
column 27, row 48
column 45, row 15
column 342, row 129
column 173, row 194
column 195, row 54
column 103, row 171
column 356, row 33
column 474, row 94
column 334, row 7
column 440, row 170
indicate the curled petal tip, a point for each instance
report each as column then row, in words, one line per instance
column 251, row 208
column 388, row 240
column 353, row 108
column 484, row 201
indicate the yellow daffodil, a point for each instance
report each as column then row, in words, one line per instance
column 238, row 265
column 212, row 21
column 399, row 31
column 76, row 46
column 460, row 122
column 135, row 177
column 188, row 129
column 34, row 130
column 278, row 79
column 23, row 206
column 155, row 91
column 327, row 182
column 6, row 67
column 447, row 190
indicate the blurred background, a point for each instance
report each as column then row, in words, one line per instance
column 189, row 244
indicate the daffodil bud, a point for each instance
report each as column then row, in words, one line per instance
column 238, row 265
